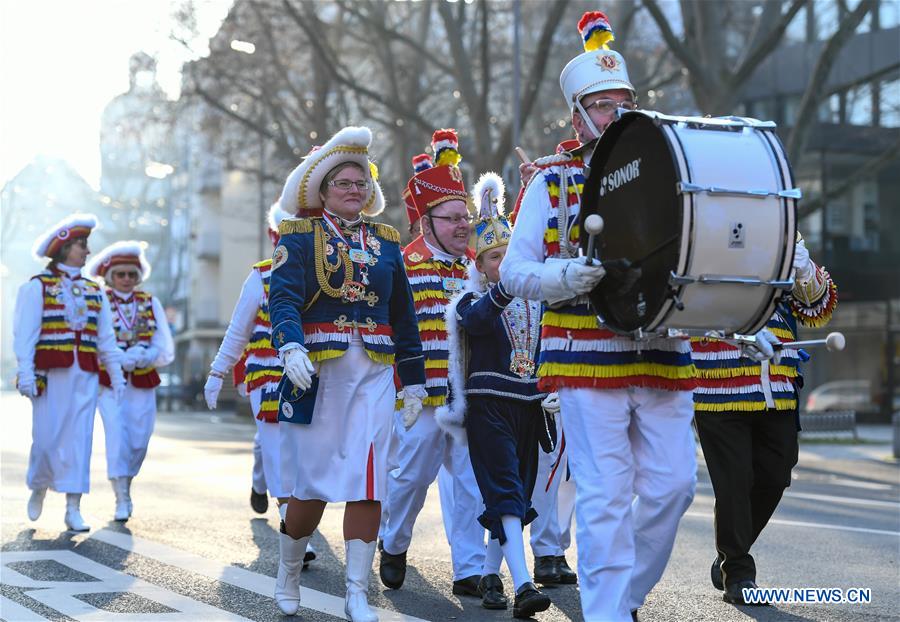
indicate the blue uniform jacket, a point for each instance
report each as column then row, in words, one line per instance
column 306, row 305
column 490, row 347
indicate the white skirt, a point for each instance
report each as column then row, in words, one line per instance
column 342, row 455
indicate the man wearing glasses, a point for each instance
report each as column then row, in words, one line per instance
column 436, row 265
column 626, row 407
column 142, row 333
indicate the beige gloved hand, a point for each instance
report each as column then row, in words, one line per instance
column 551, row 403
column 27, row 387
column 803, row 265
column 412, row 397
column 299, row 368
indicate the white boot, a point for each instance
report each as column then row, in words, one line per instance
column 36, row 503
column 290, row 565
column 73, row 513
column 359, row 564
column 123, row 512
column 127, row 488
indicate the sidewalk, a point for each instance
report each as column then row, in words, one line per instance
column 875, row 443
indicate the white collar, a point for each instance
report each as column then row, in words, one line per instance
column 70, row 271
column 343, row 221
column 122, row 295
column 438, row 253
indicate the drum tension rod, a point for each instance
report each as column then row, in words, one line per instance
column 673, row 294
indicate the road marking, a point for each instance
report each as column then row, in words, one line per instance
column 232, row 575
column 796, row 523
column 893, row 505
column 61, row 595
column 14, row 612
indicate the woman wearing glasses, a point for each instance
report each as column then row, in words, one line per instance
column 342, row 314
column 142, row 333
column 61, row 331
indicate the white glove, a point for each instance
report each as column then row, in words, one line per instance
column 761, row 348
column 119, row 389
column 551, row 403
column 27, row 387
column 412, row 397
column 211, row 391
column 564, row 279
column 146, row 356
column 299, row 368
column 803, row 265
column 129, row 359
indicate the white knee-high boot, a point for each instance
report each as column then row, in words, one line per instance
column 290, row 565
column 123, row 511
column 74, row 521
column 36, row 503
column 359, row 564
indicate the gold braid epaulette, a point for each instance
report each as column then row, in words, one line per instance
column 387, row 232
column 295, row 225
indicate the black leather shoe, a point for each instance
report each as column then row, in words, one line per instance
column 392, row 568
column 734, row 593
column 715, row 574
column 546, row 570
column 259, row 502
column 467, row 586
column 566, row 574
column 529, row 601
column 634, row 617
column 491, row 589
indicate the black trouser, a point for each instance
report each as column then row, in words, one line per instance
column 504, row 436
column 749, row 457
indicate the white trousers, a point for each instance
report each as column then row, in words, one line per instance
column 551, row 531
column 62, row 428
column 421, row 451
column 633, row 457
column 127, row 426
column 266, row 453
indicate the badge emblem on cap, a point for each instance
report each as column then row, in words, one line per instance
column 608, row 62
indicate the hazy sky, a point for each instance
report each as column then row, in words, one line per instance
column 61, row 61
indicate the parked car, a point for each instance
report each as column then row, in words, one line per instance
column 841, row 395
column 173, row 394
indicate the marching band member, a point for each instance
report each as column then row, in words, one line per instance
column 626, row 406
column 746, row 414
column 342, row 313
column 61, row 327
column 142, row 333
column 496, row 405
column 436, row 265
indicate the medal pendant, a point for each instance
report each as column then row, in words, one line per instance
column 352, row 291
column 126, row 335
column 452, row 284
column 76, row 291
column 521, row 365
column 359, row 256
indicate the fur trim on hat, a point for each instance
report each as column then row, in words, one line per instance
column 102, row 262
column 61, row 232
column 301, row 190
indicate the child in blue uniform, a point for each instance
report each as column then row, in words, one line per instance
column 494, row 339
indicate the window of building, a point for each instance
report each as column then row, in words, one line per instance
column 830, row 109
column 791, row 107
column 888, row 14
column 889, row 102
column 859, row 105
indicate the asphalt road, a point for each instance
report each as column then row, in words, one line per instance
column 194, row 549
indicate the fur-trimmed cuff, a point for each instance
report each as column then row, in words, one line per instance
column 453, row 422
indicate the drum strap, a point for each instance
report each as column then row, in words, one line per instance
column 562, row 214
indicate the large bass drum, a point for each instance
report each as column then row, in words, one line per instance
column 703, row 210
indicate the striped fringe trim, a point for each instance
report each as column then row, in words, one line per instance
column 745, row 406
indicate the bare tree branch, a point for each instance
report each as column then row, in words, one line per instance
column 766, row 46
column 687, row 58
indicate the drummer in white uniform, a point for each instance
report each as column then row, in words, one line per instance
column 342, row 314
column 143, row 335
column 62, row 329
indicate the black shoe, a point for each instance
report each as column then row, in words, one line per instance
column 259, row 502
column 715, row 574
column 491, row 589
column 392, row 568
column 734, row 593
column 566, row 574
column 634, row 617
column 467, row 586
column 546, row 570
column 529, row 601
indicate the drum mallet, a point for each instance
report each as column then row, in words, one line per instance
column 593, row 224
column 834, row 342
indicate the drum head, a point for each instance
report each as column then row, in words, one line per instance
column 632, row 186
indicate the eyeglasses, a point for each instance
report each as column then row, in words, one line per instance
column 130, row 274
column 609, row 106
column 455, row 220
column 82, row 242
column 345, row 184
